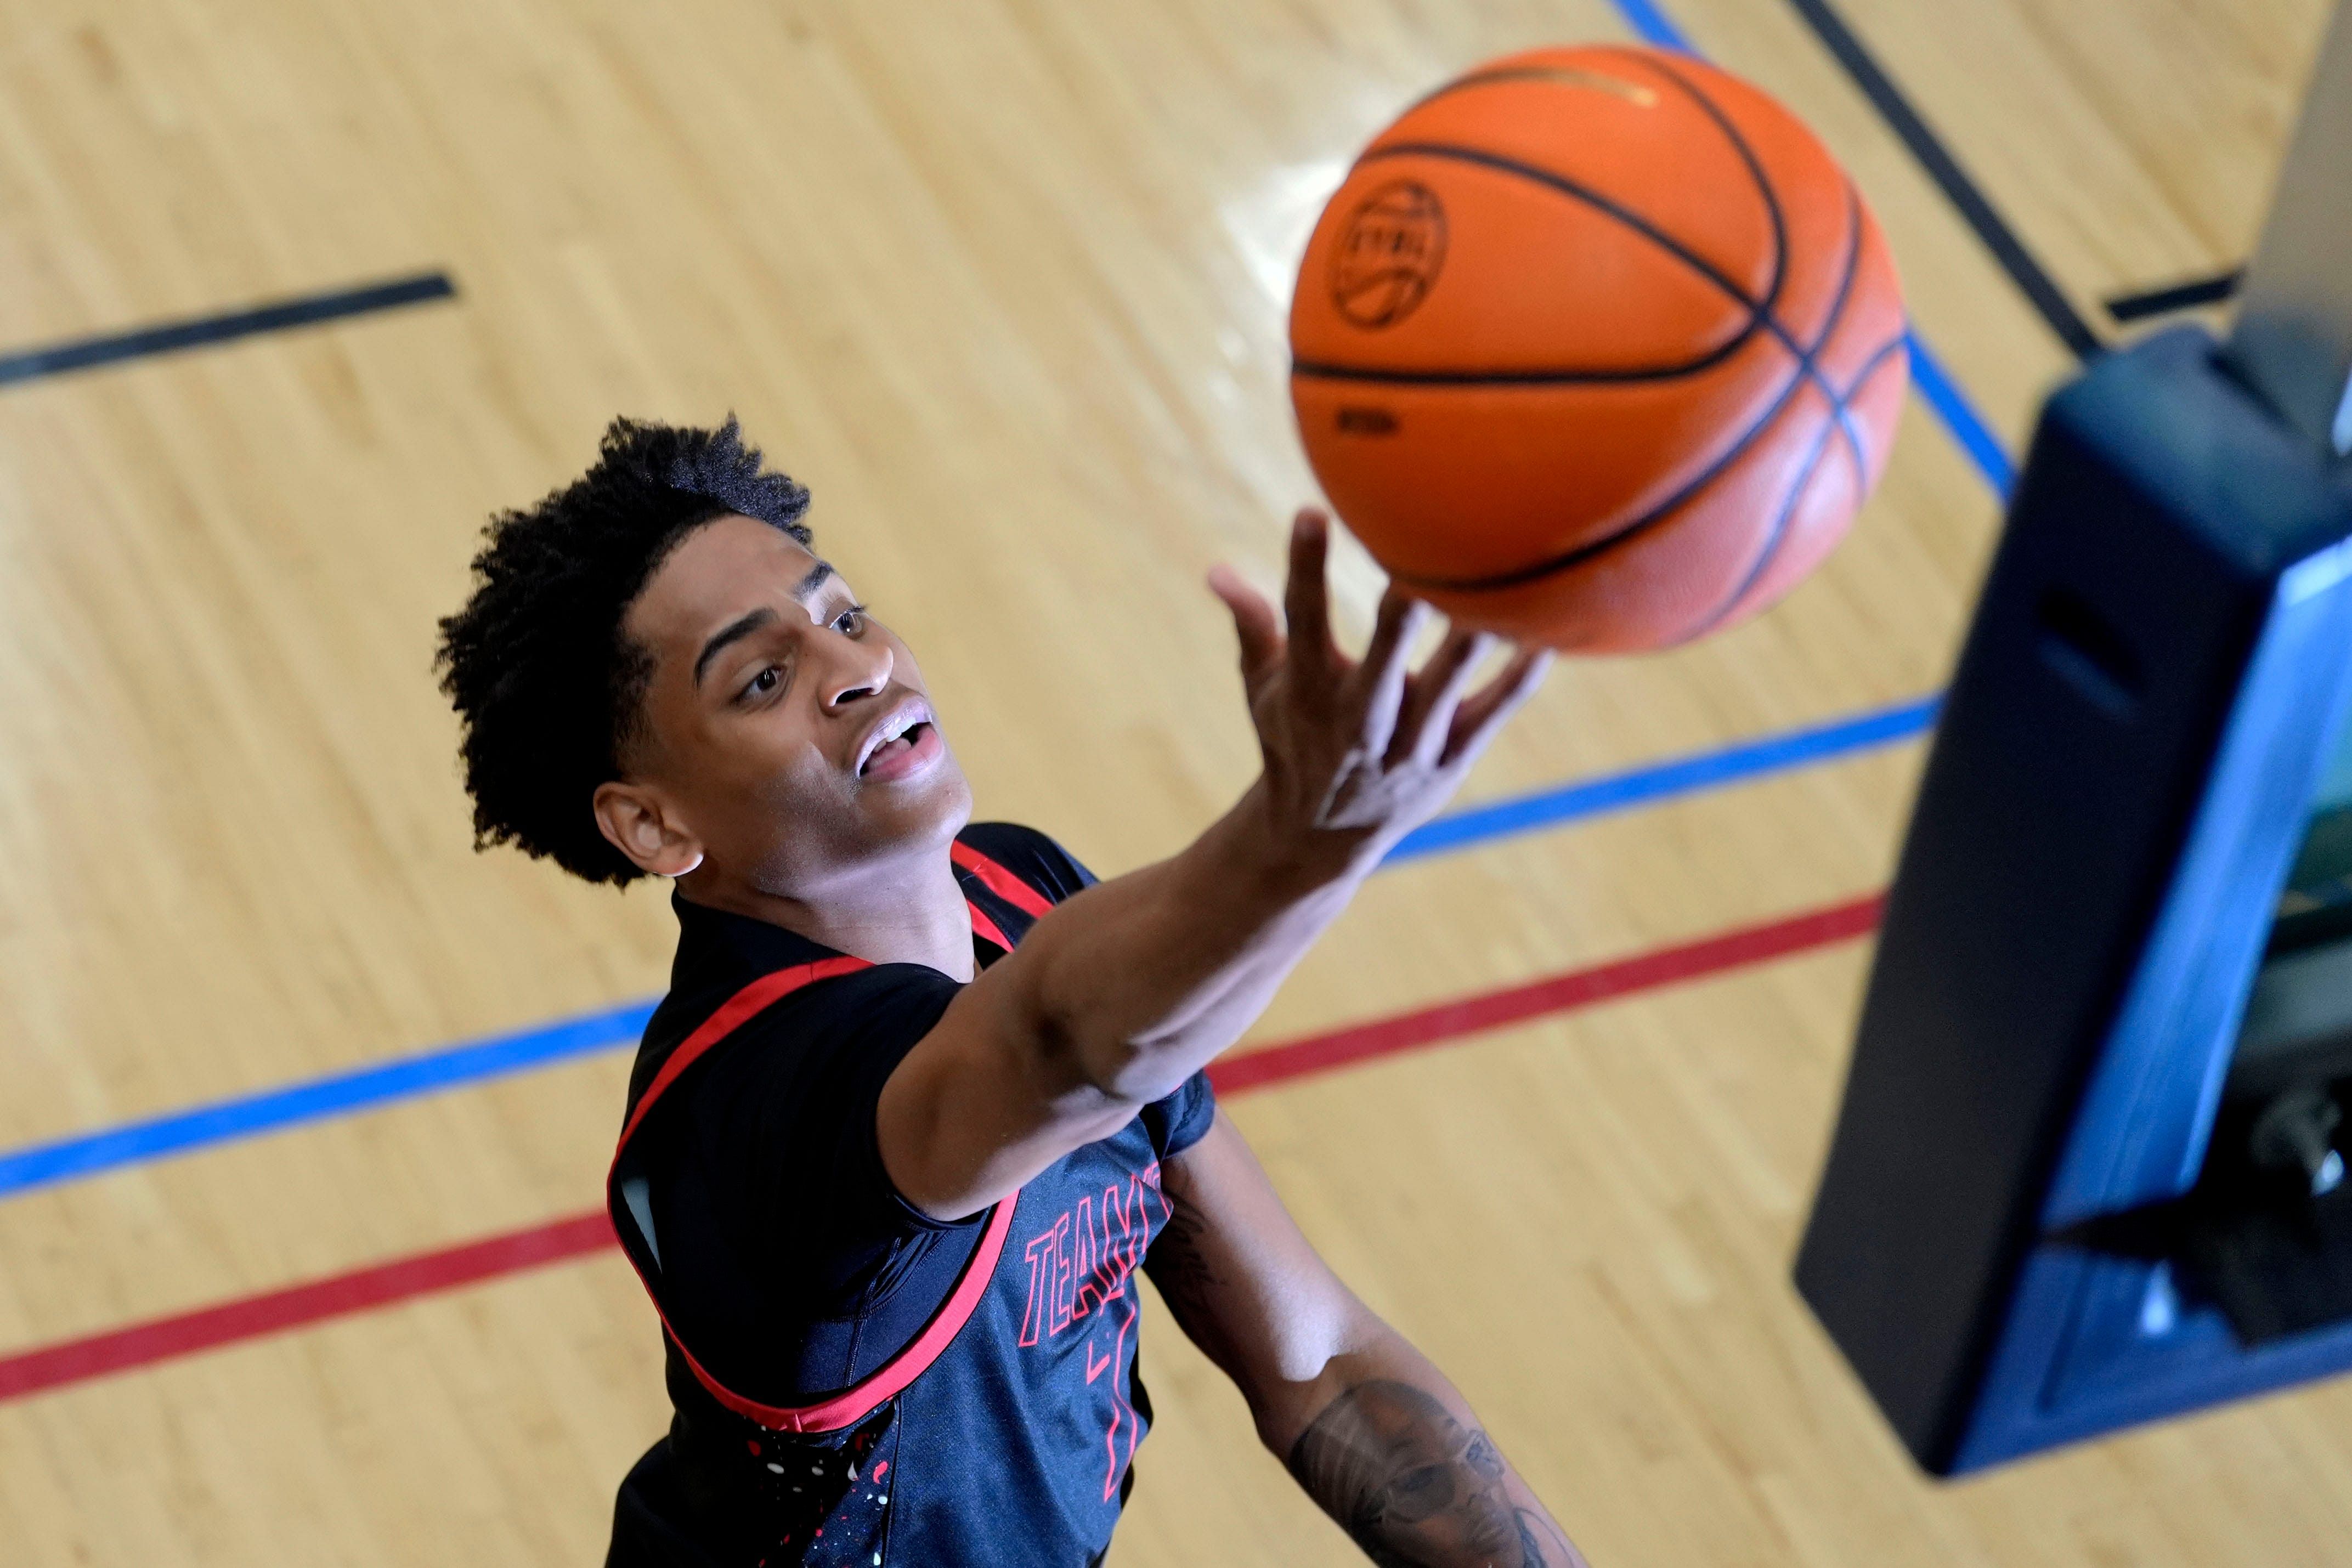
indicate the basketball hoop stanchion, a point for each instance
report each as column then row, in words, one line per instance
column 2083, row 1175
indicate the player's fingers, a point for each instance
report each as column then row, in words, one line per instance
column 1479, row 721
column 1437, row 694
column 1387, row 667
column 1306, row 604
column 1422, row 692
column 1391, row 636
column 1256, row 625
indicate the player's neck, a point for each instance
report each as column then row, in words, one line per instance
column 905, row 911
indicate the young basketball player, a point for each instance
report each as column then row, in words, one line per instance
column 924, row 1096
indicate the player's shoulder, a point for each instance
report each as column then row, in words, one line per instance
column 825, row 1010
column 824, row 1038
column 868, row 996
column 1031, row 855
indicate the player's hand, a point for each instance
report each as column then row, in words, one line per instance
column 1361, row 752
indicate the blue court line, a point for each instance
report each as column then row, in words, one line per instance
column 500, row 1056
column 1966, row 427
column 1659, row 781
column 320, row 1099
column 171, row 337
column 1654, row 25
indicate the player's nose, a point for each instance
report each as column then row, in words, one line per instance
column 852, row 671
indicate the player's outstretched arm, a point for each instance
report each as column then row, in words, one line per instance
column 1127, row 989
column 1368, row 1428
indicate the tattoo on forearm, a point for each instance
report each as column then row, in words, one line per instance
column 1535, row 1530
column 1412, row 1486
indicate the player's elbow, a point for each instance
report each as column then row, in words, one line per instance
column 1282, row 1408
column 1081, row 1051
column 1317, row 1350
column 1122, row 1072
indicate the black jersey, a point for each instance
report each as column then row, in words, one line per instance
column 855, row 1382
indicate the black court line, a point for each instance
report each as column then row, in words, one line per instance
column 2039, row 289
column 201, row 331
column 2186, row 295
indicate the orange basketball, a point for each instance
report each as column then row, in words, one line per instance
column 1597, row 348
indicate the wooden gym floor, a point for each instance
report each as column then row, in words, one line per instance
column 1004, row 280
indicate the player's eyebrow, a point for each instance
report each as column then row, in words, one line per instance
column 735, row 631
column 814, row 580
column 743, row 625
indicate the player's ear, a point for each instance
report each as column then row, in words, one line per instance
column 638, row 822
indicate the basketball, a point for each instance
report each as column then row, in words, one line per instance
column 1598, row 348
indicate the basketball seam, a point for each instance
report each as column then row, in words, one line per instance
column 1758, row 310
column 1770, row 194
column 1811, row 357
column 1322, row 370
column 1761, row 317
column 1779, row 536
column 1520, row 576
column 1805, row 372
column 1772, row 324
column 1840, row 401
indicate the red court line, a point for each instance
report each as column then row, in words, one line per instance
column 425, row 1274
column 250, row 1317
column 1560, row 993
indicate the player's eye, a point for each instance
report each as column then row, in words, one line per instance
column 766, row 681
column 850, row 621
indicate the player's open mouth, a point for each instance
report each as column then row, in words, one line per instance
column 902, row 745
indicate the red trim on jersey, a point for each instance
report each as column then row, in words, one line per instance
column 999, row 881
column 853, row 1403
column 732, row 1014
column 981, row 926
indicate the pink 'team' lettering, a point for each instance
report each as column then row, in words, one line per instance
column 1079, row 1266
column 1082, row 1260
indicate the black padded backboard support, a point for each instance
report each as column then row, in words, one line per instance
column 2138, row 579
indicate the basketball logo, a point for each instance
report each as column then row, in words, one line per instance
column 1385, row 262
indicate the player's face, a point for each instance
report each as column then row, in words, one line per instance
column 1439, row 1495
column 790, row 729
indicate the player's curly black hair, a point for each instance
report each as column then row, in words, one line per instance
column 547, row 684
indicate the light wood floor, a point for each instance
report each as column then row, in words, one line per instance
column 1003, row 281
